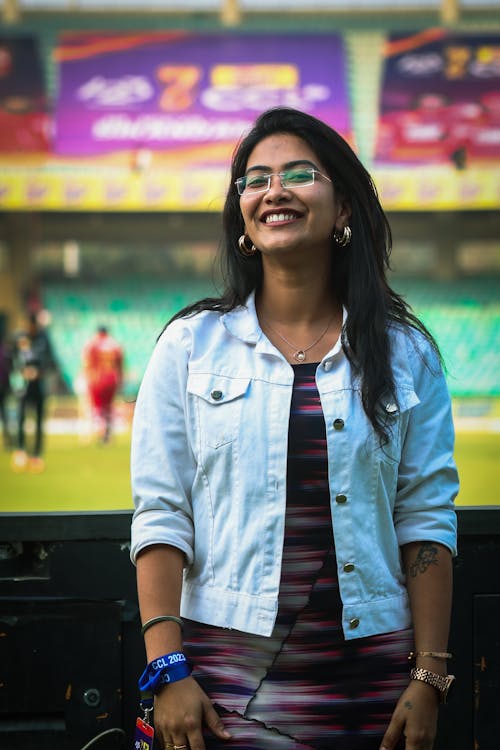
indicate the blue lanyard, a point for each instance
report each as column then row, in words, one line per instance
column 163, row 671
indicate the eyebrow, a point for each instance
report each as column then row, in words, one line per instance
column 288, row 165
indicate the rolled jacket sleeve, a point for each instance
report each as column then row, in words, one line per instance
column 162, row 463
column 427, row 478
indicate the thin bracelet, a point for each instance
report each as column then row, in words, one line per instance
column 162, row 618
column 432, row 654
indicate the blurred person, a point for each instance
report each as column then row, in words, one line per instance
column 5, row 371
column 293, row 475
column 33, row 358
column 103, row 371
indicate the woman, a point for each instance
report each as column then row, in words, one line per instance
column 292, row 453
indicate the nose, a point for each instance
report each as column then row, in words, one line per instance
column 275, row 188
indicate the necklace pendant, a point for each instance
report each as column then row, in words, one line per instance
column 300, row 355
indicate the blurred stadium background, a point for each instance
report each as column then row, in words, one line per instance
column 80, row 244
column 126, row 235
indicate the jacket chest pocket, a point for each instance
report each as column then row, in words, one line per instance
column 396, row 418
column 218, row 402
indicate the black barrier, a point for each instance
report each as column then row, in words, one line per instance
column 71, row 649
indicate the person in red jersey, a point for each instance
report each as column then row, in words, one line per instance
column 103, row 369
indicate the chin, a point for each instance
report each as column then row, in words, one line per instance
column 280, row 246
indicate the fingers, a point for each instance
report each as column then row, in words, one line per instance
column 185, row 735
column 414, row 719
column 181, row 710
column 214, row 722
column 192, row 726
column 392, row 736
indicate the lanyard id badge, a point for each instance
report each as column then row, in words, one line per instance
column 144, row 732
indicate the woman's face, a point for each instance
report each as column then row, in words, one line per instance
column 296, row 220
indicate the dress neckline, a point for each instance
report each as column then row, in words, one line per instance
column 304, row 366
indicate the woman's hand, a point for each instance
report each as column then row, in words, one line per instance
column 180, row 711
column 414, row 718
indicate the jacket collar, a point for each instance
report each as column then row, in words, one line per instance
column 243, row 322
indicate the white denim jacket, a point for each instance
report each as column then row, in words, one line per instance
column 209, row 464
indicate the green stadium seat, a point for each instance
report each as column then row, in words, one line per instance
column 463, row 315
column 134, row 310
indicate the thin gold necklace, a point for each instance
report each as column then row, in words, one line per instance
column 299, row 355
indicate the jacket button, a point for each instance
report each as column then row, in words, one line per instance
column 340, row 499
column 348, row 567
column 216, row 395
column 327, row 366
column 338, row 424
column 353, row 623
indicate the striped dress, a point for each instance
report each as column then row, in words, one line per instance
column 305, row 686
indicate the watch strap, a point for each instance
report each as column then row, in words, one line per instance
column 438, row 681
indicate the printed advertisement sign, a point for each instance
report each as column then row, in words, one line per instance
column 24, row 123
column 189, row 94
column 440, row 99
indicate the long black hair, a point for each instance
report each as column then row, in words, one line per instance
column 358, row 277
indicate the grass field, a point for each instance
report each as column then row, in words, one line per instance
column 76, row 478
column 93, row 478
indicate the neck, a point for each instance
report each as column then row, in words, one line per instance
column 296, row 299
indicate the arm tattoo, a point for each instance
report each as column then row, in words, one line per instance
column 427, row 555
column 408, row 705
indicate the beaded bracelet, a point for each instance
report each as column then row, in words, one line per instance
column 161, row 618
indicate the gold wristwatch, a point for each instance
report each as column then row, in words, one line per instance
column 442, row 683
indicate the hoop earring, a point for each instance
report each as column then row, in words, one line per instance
column 244, row 249
column 343, row 238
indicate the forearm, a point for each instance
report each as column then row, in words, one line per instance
column 159, row 585
column 428, row 569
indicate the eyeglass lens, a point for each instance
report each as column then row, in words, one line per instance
column 257, row 183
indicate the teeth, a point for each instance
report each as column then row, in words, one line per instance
column 279, row 217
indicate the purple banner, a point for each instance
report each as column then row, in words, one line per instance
column 440, row 99
column 193, row 94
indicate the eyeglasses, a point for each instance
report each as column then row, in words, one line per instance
column 292, row 178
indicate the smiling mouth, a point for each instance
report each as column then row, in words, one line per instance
column 276, row 218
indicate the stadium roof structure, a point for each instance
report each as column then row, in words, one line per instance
column 233, row 12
